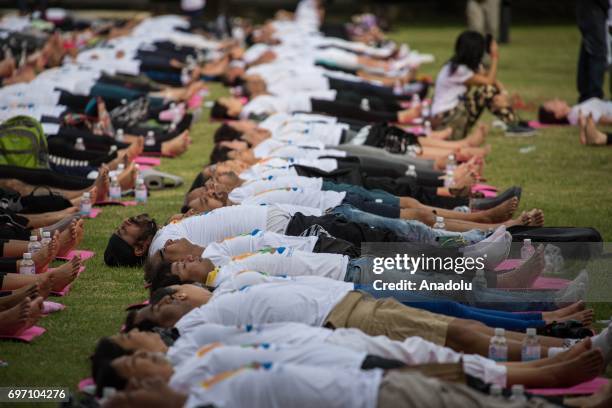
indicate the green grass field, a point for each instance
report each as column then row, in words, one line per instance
column 571, row 183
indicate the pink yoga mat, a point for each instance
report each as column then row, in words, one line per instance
column 94, row 213
column 66, row 289
column 588, row 387
column 82, row 252
column 149, row 161
column 27, row 336
column 509, row 264
column 539, row 125
column 130, row 203
column 52, row 307
column 551, row 283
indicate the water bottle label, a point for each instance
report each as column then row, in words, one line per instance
column 141, row 196
column 530, row 353
column 115, row 193
column 85, row 209
column 27, row 270
column 497, row 353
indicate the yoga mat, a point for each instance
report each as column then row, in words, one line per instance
column 550, row 283
column 137, row 305
column 539, row 125
column 484, row 187
column 149, row 161
column 509, row 264
column 86, row 384
column 94, row 213
column 121, row 203
column 85, row 254
column 52, row 307
column 66, row 289
column 588, row 387
column 27, row 336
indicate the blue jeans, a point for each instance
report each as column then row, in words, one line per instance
column 492, row 318
column 370, row 195
column 410, row 230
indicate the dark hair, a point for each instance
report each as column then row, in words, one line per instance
column 226, row 132
column 160, row 275
column 232, row 176
column 219, row 111
column 548, row 117
column 219, row 154
column 101, row 371
column 469, row 50
column 143, row 325
column 160, row 293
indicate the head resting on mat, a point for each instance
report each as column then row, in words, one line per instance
column 129, row 244
column 554, row 112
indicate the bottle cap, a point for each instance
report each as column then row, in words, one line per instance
column 439, row 219
column 150, row 133
column 46, row 234
column 412, row 167
column 33, row 238
column 113, row 148
column 451, row 157
column 527, row 241
column 114, row 178
column 531, row 331
column 495, row 390
column 27, row 255
column 500, row 332
column 120, row 131
column 518, row 389
column 86, row 194
column 79, row 140
column 480, row 272
column 121, row 167
column 139, row 180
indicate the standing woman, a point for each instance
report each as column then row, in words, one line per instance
column 464, row 89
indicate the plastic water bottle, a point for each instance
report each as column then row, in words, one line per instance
column 449, row 178
column 439, row 224
column 115, row 189
column 365, row 104
column 531, row 349
column 119, row 135
column 479, row 279
column 46, row 239
column 27, row 267
column 427, row 129
column 85, row 208
column 34, row 245
column 416, row 100
column 496, row 391
column 141, row 191
column 411, row 172
column 518, row 393
column 498, row 348
column 398, row 89
column 120, row 168
column 150, row 138
column 79, row 144
column 527, row 250
column 451, row 163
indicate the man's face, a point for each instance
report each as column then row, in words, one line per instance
column 130, row 229
column 195, row 295
column 136, row 340
column 166, row 312
column 177, row 249
column 142, row 365
column 206, row 203
column 233, row 105
column 191, row 269
column 243, row 126
column 151, row 393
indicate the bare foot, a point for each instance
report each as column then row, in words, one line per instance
column 16, row 296
column 65, row 274
column 44, row 285
column 533, row 218
column 47, row 253
column 441, row 134
column 67, row 238
column 566, row 311
column 501, row 212
column 601, row 399
column 525, row 275
column 36, row 311
column 176, row 146
column 582, row 126
column 127, row 179
column 478, row 135
column 593, row 136
column 14, row 320
column 102, row 184
column 577, row 370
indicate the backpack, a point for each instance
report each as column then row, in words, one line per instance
column 23, row 143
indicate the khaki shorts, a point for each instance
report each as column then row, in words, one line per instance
column 388, row 317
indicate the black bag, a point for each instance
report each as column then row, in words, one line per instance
column 575, row 242
column 36, row 203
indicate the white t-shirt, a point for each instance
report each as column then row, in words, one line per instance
column 217, row 358
column 298, row 196
column 285, row 385
column 213, row 226
column 305, row 299
column 253, row 187
column 286, row 332
column 449, row 88
column 284, row 167
column 283, row 261
column 269, row 147
column 593, row 106
column 220, row 253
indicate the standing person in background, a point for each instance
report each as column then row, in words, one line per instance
column 591, row 16
column 483, row 16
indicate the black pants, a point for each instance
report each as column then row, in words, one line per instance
column 591, row 16
column 44, row 177
column 365, row 88
column 350, row 111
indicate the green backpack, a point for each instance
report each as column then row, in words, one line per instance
column 23, row 143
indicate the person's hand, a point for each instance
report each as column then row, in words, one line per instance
column 494, row 50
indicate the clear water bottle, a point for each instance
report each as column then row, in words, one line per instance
column 416, row 100
column 85, row 208
column 439, row 224
column 496, row 391
column 411, row 172
column 34, row 245
column 79, row 144
column 46, row 238
column 531, row 349
column 115, row 189
column 119, row 135
column 451, row 163
column 141, row 191
column 479, row 279
column 150, row 138
column 398, row 89
column 498, row 347
column 527, row 250
column 27, row 267
column 365, row 104
column 518, row 393
column 427, row 129
column 449, row 179
column 120, row 168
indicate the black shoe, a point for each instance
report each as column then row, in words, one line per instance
column 571, row 329
column 520, row 131
column 486, row 203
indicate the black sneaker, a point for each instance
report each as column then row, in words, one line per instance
column 520, row 131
